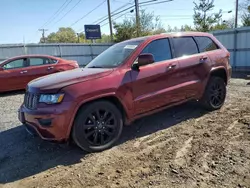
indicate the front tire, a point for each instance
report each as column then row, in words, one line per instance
column 97, row 126
column 215, row 94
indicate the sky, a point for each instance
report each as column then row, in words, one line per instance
column 21, row 19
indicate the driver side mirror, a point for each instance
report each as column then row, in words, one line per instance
column 1, row 68
column 143, row 59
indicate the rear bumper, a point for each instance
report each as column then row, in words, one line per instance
column 52, row 124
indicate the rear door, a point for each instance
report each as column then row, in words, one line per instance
column 154, row 85
column 194, row 66
column 209, row 47
column 39, row 66
column 13, row 75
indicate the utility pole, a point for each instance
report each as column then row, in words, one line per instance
column 43, row 34
column 236, row 13
column 78, row 37
column 110, row 21
column 137, row 18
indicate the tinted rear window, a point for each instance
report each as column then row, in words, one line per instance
column 184, row 46
column 206, row 44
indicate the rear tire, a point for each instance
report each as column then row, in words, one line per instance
column 97, row 126
column 215, row 94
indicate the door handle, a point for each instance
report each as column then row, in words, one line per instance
column 49, row 68
column 203, row 59
column 22, row 72
column 171, row 67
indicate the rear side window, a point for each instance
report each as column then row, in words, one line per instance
column 160, row 50
column 206, row 44
column 53, row 61
column 184, row 46
column 35, row 61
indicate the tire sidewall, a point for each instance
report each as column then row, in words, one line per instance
column 206, row 98
column 79, row 138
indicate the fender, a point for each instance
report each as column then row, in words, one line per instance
column 212, row 70
column 220, row 68
column 111, row 94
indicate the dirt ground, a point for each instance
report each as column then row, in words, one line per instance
column 184, row 146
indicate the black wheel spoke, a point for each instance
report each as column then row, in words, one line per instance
column 107, row 132
column 95, row 138
column 110, row 125
column 90, row 133
column 102, row 138
column 92, row 118
column 109, row 119
column 105, row 115
column 98, row 115
column 89, row 126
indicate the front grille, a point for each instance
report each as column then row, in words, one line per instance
column 31, row 100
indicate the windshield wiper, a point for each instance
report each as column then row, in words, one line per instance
column 95, row 67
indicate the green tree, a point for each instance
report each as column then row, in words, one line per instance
column 245, row 18
column 187, row 28
column 149, row 24
column 204, row 20
column 63, row 35
column 226, row 24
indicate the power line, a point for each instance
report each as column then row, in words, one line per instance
column 61, row 8
column 113, row 12
column 158, row 3
column 88, row 13
column 116, row 14
column 68, row 12
column 80, row 30
column 115, row 19
column 143, row 4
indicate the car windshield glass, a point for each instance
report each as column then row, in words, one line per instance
column 115, row 55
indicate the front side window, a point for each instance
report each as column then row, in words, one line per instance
column 35, row 61
column 19, row 63
column 206, row 44
column 184, row 46
column 114, row 55
column 160, row 49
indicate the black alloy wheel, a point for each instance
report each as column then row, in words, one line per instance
column 215, row 93
column 98, row 126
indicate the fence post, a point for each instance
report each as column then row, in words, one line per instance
column 91, row 51
column 24, row 49
column 60, row 50
column 235, row 48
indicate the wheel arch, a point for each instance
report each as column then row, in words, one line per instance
column 220, row 72
column 107, row 97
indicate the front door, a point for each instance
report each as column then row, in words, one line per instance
column 154, row 84
column 13, row 75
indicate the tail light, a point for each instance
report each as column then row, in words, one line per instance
column 74, row 64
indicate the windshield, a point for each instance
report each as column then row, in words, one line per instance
column 115, row 55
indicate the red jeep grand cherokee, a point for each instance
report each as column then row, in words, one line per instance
column 129, row 80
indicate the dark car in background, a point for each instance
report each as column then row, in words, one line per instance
column 17, row 72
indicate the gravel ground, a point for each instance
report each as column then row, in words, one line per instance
column 184, row 146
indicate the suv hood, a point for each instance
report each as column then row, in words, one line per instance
column 59, row 80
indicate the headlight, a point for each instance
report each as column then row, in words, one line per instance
column 51, row 99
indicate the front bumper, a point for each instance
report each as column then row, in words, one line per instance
column 51, row 123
